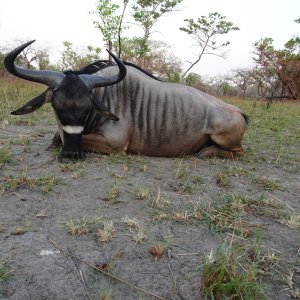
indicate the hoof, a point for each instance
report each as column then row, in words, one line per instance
column 68, row 155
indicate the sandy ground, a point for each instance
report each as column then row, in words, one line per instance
column 158, row 196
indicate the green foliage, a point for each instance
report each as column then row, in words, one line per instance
column 72, row 59
column 205, row 31
column 228, row 90
column 109, row 20
column 173, row 76
column 192, row 79
column 153, row 57
column 147, row 13
column 278, row 70
column 206, row 27
column 134, row 47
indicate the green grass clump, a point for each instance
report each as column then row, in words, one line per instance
column 142, row 192
column 45, row 183
column 228, row 213
column 267, row 183
column 5, row 156
column 114, row 192
column 103, row 229
column 5, row 274
column 224, row 214
column 228, row 274
column 82, row 225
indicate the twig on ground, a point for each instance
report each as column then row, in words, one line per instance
column 175, row 283
column 76, row 263
column 29, row 279
column 281, row 201
column 174, row 279
column 100, row 270
column 188, row 254
column 178, row 169
column 18, row 195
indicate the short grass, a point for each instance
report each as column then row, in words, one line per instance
column 101, row 228
column 5, row 273
column 228, row 273
column 14, row 93
column 273, row 133
column 228, row 213
column 44, row 183
column 5, row 156
column 82, row 225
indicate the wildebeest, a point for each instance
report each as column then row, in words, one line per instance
column 121, row 108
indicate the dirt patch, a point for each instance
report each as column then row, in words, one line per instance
column 137, row 218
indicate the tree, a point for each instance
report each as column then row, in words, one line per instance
column 31, row 57
column 279, row 69
column 222, row 86
column 158, row 60
column 75, row 60
column 43, row 60
column 28, row 58
column 192, row 79
column 147, row 13
column 242, row 78
column 110, row 23
column 205, row 31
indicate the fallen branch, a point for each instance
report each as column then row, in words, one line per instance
column 75, row 261
column 70, row 254
column 175, row 283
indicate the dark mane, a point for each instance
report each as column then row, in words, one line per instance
column 102, row 64
column 140, row 69
column 92, row 68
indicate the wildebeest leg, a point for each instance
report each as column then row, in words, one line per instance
column 220, row 152
column 225, row 145
column 97, row 143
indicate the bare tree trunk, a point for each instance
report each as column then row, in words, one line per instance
column 120, row 28
column 182, row 80
column 110, row 49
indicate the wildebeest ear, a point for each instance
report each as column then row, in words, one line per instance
column 34, row 104
column 103, row 111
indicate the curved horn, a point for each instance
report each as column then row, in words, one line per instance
column 92, row 81
column 50, row 78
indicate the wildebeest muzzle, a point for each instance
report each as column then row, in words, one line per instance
column 72, row 148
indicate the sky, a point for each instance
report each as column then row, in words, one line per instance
column 52, row 22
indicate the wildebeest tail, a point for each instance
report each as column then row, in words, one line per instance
column 247, row 119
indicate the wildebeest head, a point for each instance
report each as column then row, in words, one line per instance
column 70, row 96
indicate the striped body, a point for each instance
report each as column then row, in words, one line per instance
column 160, row 118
